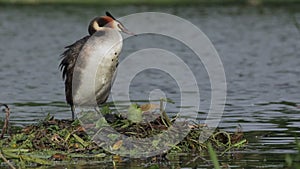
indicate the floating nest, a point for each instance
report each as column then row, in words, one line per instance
column 53, row 140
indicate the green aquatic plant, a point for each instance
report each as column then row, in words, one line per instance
column 53, row 140
column 293, row 161
column 213, row 156
column 135, row 113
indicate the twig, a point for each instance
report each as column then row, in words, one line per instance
column 164, row 117
column 5, row 160
column 6, row 121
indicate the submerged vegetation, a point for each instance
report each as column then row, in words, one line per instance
column 52, row 140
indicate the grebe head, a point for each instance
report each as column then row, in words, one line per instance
column 109, row 21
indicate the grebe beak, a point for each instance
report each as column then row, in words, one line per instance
column 125, row 30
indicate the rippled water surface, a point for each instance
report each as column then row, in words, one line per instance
column 259, row 48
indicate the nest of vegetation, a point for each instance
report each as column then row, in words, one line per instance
column 53, row 140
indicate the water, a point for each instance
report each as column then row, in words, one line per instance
column 259, row 48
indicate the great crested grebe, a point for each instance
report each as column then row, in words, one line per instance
column 103, row 45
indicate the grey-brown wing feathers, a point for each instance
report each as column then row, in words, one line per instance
column 67, row 64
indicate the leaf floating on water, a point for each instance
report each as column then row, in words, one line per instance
column 117, row 145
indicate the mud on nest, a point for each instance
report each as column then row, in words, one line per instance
column 63, row 140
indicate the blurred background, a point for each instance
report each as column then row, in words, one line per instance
column 258, row 42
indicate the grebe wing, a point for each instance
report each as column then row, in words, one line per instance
column 70, row 55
